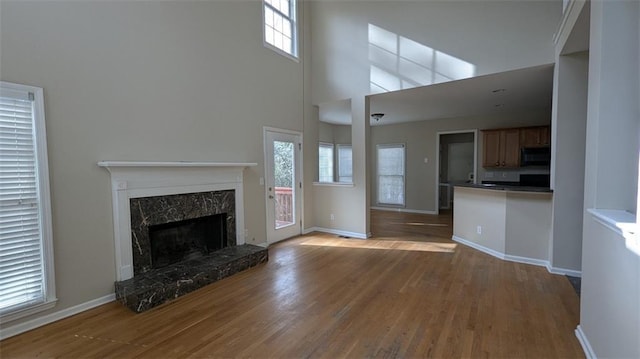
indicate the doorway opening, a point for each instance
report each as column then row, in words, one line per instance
column 457, row 163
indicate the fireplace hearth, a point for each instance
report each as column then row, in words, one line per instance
column 158, row 286
column 182, row 242
column 146, row 194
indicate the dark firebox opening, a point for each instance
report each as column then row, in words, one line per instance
column 189, row 239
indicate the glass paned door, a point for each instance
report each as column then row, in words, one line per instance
column 282, row 158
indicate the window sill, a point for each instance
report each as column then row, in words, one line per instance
column 29, row 310
column 334, row 184
column 281, row 52
column 619, row 221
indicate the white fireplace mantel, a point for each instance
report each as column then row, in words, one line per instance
column 136, row 179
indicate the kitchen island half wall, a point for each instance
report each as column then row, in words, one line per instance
column 509, row 223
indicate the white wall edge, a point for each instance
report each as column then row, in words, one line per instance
column 584, row 342
column 564, row 271
column 53, row 317
column 336, row 232
column 404, row 210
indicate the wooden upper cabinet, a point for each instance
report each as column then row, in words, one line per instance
column 535, row 136
column 491, row 153
column 510, row 141
column 501, row 148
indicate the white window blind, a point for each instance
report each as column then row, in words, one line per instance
column 391, row 173
column 345, row 167
column 280, row 25
column 24, row 253
column 325, row 162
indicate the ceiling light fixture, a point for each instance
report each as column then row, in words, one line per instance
column 499, row 90
column 377, row 116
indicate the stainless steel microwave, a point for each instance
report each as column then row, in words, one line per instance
column 535, row 156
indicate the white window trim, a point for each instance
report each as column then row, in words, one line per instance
column 50, row 298
column 294, row 33
column 404, row 176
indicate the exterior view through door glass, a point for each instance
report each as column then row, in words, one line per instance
column 283, row 184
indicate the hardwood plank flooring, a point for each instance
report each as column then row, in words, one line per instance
column 408, row 292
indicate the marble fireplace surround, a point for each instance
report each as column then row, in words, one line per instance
column 149, row 179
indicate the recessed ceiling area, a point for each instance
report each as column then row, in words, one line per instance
column 522, row 90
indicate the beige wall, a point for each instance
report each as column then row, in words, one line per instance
column 485, row 208
column 528, row 224
column 516, row 224
column 420, row 139
column 163, row 81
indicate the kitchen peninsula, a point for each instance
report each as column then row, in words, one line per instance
column 508, row 222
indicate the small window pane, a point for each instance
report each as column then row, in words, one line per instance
column 268, row 16
column 345, row 167
column 277, row 22
column 286, row 29
column 284, row 7
column 325, row 162
column 268, row 34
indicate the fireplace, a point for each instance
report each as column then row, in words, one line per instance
column 188, row 239
column 194, row 211
column 172, row 216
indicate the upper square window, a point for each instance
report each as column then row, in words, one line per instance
column 280, row 26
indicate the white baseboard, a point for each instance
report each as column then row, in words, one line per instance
column 564, row 271
column 9, row 331
column 404, row 210
column 336, row 232
column 518, row 259
column 527, row 260
column 483, row 249
column 584, row 342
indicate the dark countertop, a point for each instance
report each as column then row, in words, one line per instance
column 501, row 187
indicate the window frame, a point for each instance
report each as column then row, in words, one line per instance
column 294, row 55
column 404, row 174
column 333, row 165
column 337, row 162
column 49, row 298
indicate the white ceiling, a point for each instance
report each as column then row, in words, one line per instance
column 506, row 92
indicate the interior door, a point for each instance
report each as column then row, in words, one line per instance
column 283, row 184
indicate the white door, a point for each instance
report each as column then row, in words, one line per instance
column 283, row 184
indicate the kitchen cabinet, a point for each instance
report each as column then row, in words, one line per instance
column 501, row 148
column 535, row 136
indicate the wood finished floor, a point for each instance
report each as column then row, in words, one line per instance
column 408, row 292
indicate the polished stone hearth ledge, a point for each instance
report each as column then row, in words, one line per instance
column 158, row 286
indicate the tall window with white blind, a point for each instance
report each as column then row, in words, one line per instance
column 391, row 173
column 345, row 165
column 280, row 30
column 325, row 162
column 26, row 254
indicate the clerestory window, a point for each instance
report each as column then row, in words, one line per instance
column 280, row 29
